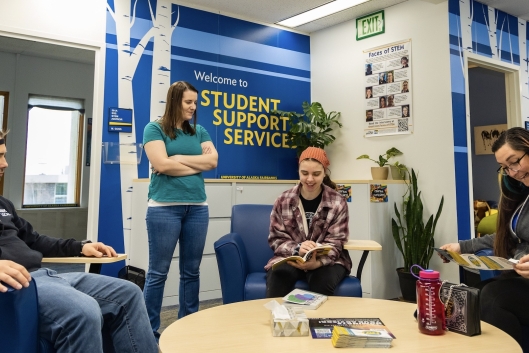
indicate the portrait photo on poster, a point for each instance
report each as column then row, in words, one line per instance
column 382, row 102
column 369, row 69
column 382, row 78
column 404, row 61
column 391, row 101
column 405, row 111
column 390, row 77
column 405, row 87
column 369, row 92
column 369, row 115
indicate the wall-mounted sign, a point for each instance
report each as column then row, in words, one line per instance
column 379, row 193
column 388, row 90
column 370, row 25
column 345, row 190
column 119, row 120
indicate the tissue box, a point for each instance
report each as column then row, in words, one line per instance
column 296, row 325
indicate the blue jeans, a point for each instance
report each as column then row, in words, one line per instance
column 167, row 225
column 74, row 307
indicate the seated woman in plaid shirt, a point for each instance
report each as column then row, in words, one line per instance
column 310, row 213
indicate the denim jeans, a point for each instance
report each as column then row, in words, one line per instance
column 73, row 307
column 167, row 225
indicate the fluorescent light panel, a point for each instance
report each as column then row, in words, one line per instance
column 319, row 12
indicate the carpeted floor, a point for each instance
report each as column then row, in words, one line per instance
column 169, row 314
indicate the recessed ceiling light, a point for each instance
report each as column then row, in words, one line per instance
column 319, row 12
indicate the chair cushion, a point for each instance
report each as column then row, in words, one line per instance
column 349, row 287
column 255, row 286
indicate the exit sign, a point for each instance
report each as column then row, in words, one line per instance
column 370, row 25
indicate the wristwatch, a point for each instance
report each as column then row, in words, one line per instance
column 83, row 243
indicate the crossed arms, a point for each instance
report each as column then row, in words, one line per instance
column 181, row 165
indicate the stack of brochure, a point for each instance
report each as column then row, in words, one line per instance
column 322, row 327
column 360, row 338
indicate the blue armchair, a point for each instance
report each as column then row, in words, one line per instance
column 243, row 253
column 19, row 323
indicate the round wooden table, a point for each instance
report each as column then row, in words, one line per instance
column 245, row 327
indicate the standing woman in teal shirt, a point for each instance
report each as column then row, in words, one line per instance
column 179, row 152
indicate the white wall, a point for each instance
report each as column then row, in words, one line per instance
column 74, row 21
column 337, row 82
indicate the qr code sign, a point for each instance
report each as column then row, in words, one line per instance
column 403, row 124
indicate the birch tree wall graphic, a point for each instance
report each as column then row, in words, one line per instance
column 524, row 60
column 161, row 58
column 466, row 14
column 128, row 59
column 492, row 20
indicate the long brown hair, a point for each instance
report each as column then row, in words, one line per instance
column 173, row 110
column 513, row 192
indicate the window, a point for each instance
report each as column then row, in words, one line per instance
column 53, row 152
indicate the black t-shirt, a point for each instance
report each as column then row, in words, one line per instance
column 310, row 207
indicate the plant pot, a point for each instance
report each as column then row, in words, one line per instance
column 407, row 285
column 395, row 175
column 379, row 173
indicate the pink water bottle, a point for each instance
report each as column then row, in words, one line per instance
column 430, row 309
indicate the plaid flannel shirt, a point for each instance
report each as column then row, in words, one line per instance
column 330, row 225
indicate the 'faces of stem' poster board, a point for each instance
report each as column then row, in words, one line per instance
column 388, row 87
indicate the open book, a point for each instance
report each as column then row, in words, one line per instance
column 478, row 262
column 321, row 249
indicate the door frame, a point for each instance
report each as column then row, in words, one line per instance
column 512, row 101
column 98, row 48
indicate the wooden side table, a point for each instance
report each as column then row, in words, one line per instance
column 366, row 246
column 95, row 262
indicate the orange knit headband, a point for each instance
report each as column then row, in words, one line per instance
column 317, row 154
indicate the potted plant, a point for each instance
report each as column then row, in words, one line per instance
column 381, row 172
column 399, row 171
column 312, row 128
column 413, row 237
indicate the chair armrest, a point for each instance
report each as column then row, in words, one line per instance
column 95, row 262
column 485, row 252
column 233, row 267
column 366, row 246
column 19, row 320
column 486, row 274
column 85, row 259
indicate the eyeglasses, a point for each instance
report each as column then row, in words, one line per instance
column 515, row 167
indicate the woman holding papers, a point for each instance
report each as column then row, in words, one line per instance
column 505, row 299
column 309, row 214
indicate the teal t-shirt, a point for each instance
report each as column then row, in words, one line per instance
column 166, row 188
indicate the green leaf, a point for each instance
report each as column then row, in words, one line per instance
column 414, row 238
